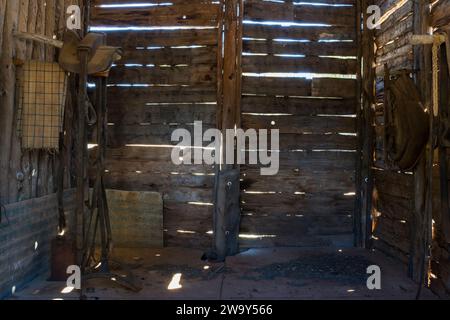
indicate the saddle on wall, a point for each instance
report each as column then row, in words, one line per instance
column 407, row 127
column 101, row 56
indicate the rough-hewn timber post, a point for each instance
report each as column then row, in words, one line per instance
column 422, row 65
column 227, row 190
column 366, row 131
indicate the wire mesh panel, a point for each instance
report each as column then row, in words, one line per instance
column 41, row 100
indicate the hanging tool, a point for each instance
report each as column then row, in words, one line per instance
column 91, row 57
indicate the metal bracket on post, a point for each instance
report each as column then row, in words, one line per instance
column 227, row 214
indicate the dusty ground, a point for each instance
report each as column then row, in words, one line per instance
column 280, row 273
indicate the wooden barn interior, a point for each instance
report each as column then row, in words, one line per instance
column 91, row 93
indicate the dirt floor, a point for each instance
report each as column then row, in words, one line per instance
column 278, row 273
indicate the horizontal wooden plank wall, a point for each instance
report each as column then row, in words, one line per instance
column 299, row 76
column 25, row 239
column 166, row 80
column 394, row 191
column 440, row 263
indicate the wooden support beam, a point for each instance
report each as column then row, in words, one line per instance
column 7, row 86
column 227, row 190
column 363, row 215
column 81, row 156
column 358, row 216
column 231, row 68
column 421, row 221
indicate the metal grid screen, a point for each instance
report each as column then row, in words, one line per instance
column 41, row 100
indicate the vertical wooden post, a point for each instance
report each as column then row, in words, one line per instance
column 81, row 156
column 364, row 223
column 227, row 189
column 220, row 38
column 358, row 214
column 420, row 223
column 444, row 83
column 231, row 68
column 81, row 144
column 7, row 89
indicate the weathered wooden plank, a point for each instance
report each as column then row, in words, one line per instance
column 156, row 134
column 299, row 33
column 187, row 225
column 299, row 87
column 394, row 232
column 141, row 153
column 304, row 179
column 181, row 239
column 50, row 26
column 401, row 28
column 305, row 48
column 170, row 56
column 396, row 64
column 270, row 64
column 157, row 114
column 267, row 233
column 334, row 87
column 128, row 95
column 297, row 106
column 405, row 39
column 289, row 12
column 163, row 169
column 2, row 19
column 405, row 51
column 440, row 14
column 397, row 11
column 393, row 207
column 130, row 40
column 147, row 3
column 390, row 250
column 192, row 188
column 290, row 142
column 308, row 205
column 301, row 124
column 296, row 231
column 397, row 184
column 276, row 86
column 185, row 75
column 196, row 14
column 162, row 182
column 297, row 143
column 7, row 83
